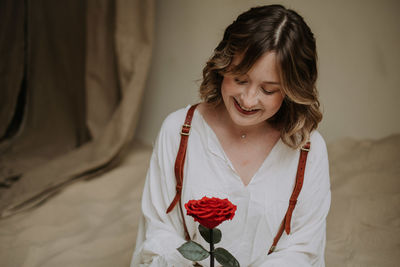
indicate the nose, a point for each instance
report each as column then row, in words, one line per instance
column 249, row 97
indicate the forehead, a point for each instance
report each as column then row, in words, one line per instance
column 264, row 68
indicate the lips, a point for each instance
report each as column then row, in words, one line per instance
column 241, row 110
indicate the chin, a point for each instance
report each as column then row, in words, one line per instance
column 239, row 120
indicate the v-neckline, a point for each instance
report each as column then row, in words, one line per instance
column 211, row 131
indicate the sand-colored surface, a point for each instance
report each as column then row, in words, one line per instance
column 94, row 223
column 90, row 223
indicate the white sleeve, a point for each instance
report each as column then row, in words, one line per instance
column 160, row 234
column 306, row 241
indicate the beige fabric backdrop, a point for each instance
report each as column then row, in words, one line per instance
column 358, row 49
column 79, row 69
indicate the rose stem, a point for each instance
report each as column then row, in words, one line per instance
column 211, row 248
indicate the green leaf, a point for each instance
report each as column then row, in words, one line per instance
column 193, row 251
column 225, row 258
column 205, row 233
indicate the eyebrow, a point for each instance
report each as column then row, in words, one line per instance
column 270, row 82
column 264, row 82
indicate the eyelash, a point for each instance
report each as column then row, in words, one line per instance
column 262, row 89
column 239, row 81
column 266, row 92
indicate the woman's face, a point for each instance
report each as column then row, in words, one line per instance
column 253, row 98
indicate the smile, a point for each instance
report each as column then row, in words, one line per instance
column 244, row 110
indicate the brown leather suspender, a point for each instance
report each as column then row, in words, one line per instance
column 285, row 225
column 180, row 161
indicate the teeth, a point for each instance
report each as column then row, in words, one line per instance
column 245, row 109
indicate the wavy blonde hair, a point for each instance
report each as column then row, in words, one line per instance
column 276, row 29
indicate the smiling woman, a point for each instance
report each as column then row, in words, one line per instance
column 241, row 94
column 278, row 50
column 248, row 141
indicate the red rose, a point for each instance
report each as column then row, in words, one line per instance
column 210, row 212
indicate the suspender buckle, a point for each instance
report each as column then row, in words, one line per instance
column 305, row 148
column 185, row 129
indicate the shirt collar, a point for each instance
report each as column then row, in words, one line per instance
column 213, row 144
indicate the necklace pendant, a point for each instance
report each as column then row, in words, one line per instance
column 243, row 136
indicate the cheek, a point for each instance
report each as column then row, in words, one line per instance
column 276, row 103
column 225, row 92
column 223, row 88
column 228, row 86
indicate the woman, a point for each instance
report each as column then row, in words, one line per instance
column 259, row 109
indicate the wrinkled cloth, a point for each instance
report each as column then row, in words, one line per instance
column 79, row 68
column 94, row 223
column 261, row 205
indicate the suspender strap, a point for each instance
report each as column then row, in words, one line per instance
column 285, row 225
column 179, row 163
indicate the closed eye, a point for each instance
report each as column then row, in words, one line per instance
column 267, row 92
column 240, row 82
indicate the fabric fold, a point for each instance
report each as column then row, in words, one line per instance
column 108, row 110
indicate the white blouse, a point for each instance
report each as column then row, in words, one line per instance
column 261, row 205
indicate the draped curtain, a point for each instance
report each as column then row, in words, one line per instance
column 72, row 75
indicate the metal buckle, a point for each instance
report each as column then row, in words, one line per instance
column 304, row 149
column 185, row 126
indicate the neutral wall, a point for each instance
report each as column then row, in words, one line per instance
column 359, row 61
